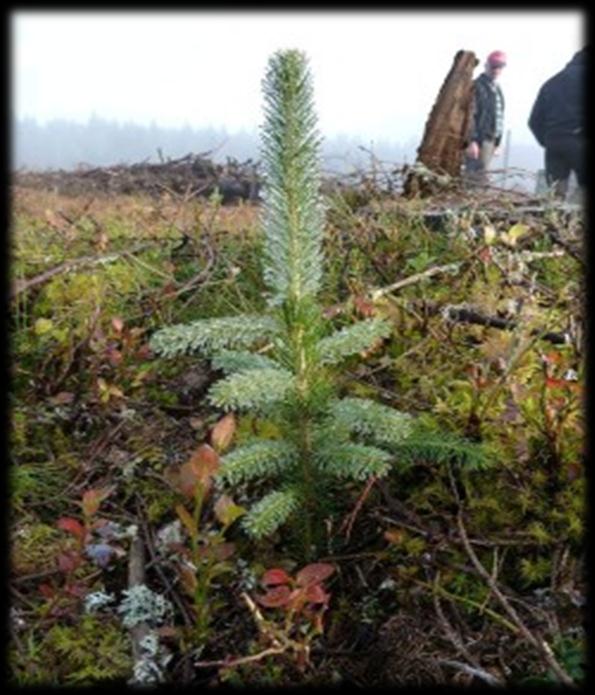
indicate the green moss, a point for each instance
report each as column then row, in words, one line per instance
column 90, row 652
column 35, row 547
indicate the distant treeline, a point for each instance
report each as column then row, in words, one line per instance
column 64, row 144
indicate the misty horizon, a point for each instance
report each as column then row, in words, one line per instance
column 65, row 144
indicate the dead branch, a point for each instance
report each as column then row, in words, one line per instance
column 85, row 340
column 540, row 644
column 155, row 562
column 450, row 632
column 463, row 314
column 281, row 643
column 412, row 279
column 184, row 178
column 136, row 577
column 475, row 671
column 230, row 663
column 554, row 234
column 348, row 522
column 20, row 286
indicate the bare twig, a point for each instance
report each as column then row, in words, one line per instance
column 463, row 314
column 475, row 671
column 349, row 520
column 528, row 256
column 554, row 235
column 280, row 642
column 155, row 563
column 540, row 644
column 412, row 279
column 200, row 276
column 22, row 285
column 136, row 577
column 230, row 663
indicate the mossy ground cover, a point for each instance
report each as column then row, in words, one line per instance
column 92, row 409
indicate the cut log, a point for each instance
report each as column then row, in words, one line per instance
column 442, row 146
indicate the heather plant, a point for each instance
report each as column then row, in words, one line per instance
column 283, row 365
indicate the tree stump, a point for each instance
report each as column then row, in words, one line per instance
column 447, row 128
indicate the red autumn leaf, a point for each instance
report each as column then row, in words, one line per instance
column 363, row 306
column 187, row 480
column 114, row 356
column 144, row 352
column 224, row 551
column 297, row 600
column 203, row 463
column 220, row 552
column 67, row 523
column 275, row 597
column 314, row 574
column 275, row 576
column 314, row 593
column 47, row 591
column 93, row 498
column 550, row 382
column 76, row 589
column 222, row 433
column 68, row 561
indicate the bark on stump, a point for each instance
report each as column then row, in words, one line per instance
column 447, row 127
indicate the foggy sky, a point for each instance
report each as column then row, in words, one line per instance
column 376, row 74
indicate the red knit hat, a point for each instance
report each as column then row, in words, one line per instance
column 497, row 59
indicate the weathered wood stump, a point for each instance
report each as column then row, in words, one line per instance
column 442, row 146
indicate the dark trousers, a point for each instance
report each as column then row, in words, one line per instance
column 563, row 154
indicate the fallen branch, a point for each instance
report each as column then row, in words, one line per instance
column 462, row 314
column 20, row 286
column 230, row 663
column 280, row 642
column 528, row 256
column 347, row 525
column 136, row 577
column 540, row 644
column 554, row 235
column 412, row 279
column 156, row 563
column 473, row 671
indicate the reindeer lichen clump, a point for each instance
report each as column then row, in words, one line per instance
column 323, row 437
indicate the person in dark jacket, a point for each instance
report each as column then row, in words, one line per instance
column 557, row 121
column 486, row 124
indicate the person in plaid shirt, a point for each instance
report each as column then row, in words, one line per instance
column 486, row 124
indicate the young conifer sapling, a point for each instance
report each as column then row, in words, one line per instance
column 323, row 437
